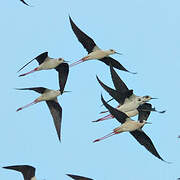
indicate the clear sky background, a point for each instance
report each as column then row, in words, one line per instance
column 146, row 32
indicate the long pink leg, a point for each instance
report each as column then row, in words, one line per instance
column 78, row 62
column 29, row 72
column 34, row 102
column 109, row 116
column 108, row 135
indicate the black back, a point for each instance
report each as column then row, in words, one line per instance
column 40, row 59
column 84, row 39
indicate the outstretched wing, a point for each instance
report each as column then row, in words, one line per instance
column 117, row 81
column 27, row 171
column 109, row 60
column 120, row 116
column 78, row 177
column 87, row 42
column 117, row 95
column 145, row 141
column 40, row 90
column 56, row 112
column 63, row 71
column 40, row 59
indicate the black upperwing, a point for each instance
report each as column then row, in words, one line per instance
column 56, row 112
column 145, row 141
column 87, row 42
column 117, row 81
column 27, row 171
column 78, row 177
column 40, row 59
column 40, row 90
column 63, row 71
column 117, row 95
column 120, row 116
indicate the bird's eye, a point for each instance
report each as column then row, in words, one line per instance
column 139, row 99
column 146, row 97
column 111, row 50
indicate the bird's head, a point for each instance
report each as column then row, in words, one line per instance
column 60, row 60
column 112, row 51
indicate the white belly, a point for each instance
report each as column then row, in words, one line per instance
column 49, row 64
column 130, row 106
column 132, row 113
column 98, row 54
column 128, row 126
column 50, row 95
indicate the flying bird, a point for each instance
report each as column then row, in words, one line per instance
column 27, row 171
column 45, row 63
column 94, row 52
column 24, row 3
column 134, row 127
column 50, row 96
column 78, row 177
column 128, row 101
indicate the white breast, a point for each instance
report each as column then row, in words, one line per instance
column 49, row 95
column 98, row 54
column 49, row 64
column 33, row 178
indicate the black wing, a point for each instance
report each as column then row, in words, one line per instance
column 108, row 60
column 56, row 112
column 144, row 111
column 24, row 2
column 40, row 90
column 118, row 83
column 78, row 177
column 84, row 39
column 27, row 171
column 144, row 140
column 118, row 96
column 40, row 59
column 63, row 71
column 120, row 116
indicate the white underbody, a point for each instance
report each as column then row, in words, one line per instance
column 49, row 95
column 98, row 54
column 49, row 63
column 129, row 125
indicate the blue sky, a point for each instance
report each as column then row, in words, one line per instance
column 146, row 32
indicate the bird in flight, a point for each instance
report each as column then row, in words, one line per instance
column 50, row 96
column 45, row 63
column 128, row 101
column 133, row 127
column 94, row 52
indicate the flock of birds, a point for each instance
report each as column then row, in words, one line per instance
column 129, row 104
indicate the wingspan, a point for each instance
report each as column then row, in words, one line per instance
column 63, row 71
column 56, row 112
column 144, row 140
column 87, row 42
